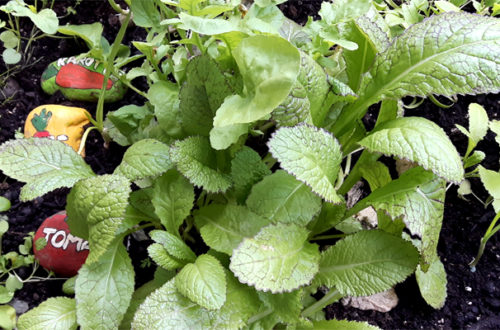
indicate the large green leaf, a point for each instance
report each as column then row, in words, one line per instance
column 164, row 96
column 280, row 197
column 202, row 94
column 198, row 162
column 204, row 282
column 91, row 33
column 96, row 208
column 223, row 227
column 247, row 168
column 432, row 284
column 143, row 159
column 44, row 165
column 269, row 66
column 271, row 263
column 312, row 155
column 173, row 198
column 103, row 289
column 419, row 140
column 58, row 313
column 417, row 196
column 366, row 263
column 447, row 54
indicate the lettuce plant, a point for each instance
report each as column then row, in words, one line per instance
column 247, row 140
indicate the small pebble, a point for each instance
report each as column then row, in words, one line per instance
column 20, row 306
column 468, row 289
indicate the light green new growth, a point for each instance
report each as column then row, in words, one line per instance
column 57, row 313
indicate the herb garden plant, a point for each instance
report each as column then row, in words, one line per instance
column 240, row 161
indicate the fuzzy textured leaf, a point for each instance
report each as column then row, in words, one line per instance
column 204, row 282
column 58, row 313
column 44, row 165
column 173, row 244
column 223, row 227
column 312, row 155
column 419, row 140
column 270, row 263
column 96, row 208
column 247, row 168
column 198, row 162
column 344, row 325
column 143, row 159
column 162, row 258
column 286, row 306
column 173, row 198
column 103, row 289
column 280, row 197
column 366, row 263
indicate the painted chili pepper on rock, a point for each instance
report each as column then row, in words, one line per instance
column 81, row 79
column 57, row 122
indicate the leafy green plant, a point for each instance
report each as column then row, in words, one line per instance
column 223, row 86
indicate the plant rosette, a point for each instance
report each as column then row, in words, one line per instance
column 63, row 253
column 81, row 79
column 57, row 122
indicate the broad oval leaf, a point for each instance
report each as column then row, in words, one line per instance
column 204, row 282
column 432, row 284
column 270, row 263
column 419, row 140
column 162, row 258
column 173, row 244
column 223, row 227
column 312, row 155
column 173, row 198
column 280, row 197
column 145, row 158
column 103, row 289
column 198, row 162
column 366, row 263
column 58, row 313
column 96, row 208
column 44, row 165
column 269, row 66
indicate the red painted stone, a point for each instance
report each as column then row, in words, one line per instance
column 64, row 253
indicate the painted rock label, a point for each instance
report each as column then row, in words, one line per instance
column 81, row 79
column 64, row 253
column 57, row 122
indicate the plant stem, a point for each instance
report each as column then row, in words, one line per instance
column 490, row 232
column 324, row 237
column 329, row 298
column 109, row 69
column 84, row 139
column 260, row 316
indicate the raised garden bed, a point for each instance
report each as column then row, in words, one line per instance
column 473, row 298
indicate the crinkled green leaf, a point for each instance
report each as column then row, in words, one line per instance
column 269, row 66
column 103, row 289
column 312, row 155
column 204, row 282
column 294, row 109
column 96, row 208
column 198, row 162
column 286, row 306
column 474, row 159
column 280, row 197
column 343, row 10
column 127, row 120
column 143, row 159
column 207, row 26
column 173, row 198
column 419, row 140
column 223, row 227
column 223, row 137
column 56, row 313
column 447, row 54
column 247, row 168
column 366, row 263
column 270, row 263
column 329, row 217
column 491, row 181
column 202, row 94
column 432, row 284
column 44, row 165
column 173, row 244
column 166, row 308
column 344, row 325
column 162, row 258
column 417, row 196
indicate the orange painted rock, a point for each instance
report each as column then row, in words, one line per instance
column 64, row 253
column 57, row 122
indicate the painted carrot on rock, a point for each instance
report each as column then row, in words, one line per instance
column 76, row 76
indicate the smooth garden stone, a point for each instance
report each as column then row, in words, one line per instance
column 81, row 79
column 57, row 122
column 64, row 253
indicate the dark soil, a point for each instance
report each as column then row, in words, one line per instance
column 473, row 298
